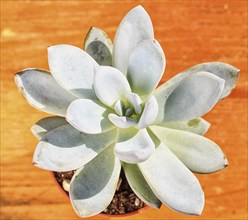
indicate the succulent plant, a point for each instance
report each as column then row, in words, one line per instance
column 110, row 115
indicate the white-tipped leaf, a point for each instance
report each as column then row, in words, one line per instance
column 146, row 67
column 172, row 182
column 110, row 85
column 163, row 92
column 65, row 148
column 223, row 70
column 89, row 116
column 43, row 126
column 135, row 101
column 99, row 46
column 192, row 98
column 196, row 125
column 42, row 92
column 139, row 185
column 121, row 121
column 134, row 28
column 149, row 113
column 73, row 69
column 118, row 107
column 93, row 187
column 198, row 153
column 133, row 145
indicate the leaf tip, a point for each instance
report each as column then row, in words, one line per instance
column 225, row 162
column 34, row 163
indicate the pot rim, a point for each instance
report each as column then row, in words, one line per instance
column 101, row 214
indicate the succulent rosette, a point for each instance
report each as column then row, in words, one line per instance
column 110, row 114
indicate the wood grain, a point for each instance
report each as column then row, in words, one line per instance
column 190, row 32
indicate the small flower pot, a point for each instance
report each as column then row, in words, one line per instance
column 132, row 197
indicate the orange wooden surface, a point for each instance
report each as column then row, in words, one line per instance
column 190, row 32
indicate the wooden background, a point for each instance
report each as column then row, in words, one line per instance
column 190, row 32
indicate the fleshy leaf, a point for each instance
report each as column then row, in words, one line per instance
column 118, row 107
column 172, row 182
column 191, row 98
column 73, row 69
column 134, row 28
column 198, row 153
column 223, row 70
column 135, row 101
column 196, row 125
column 65, row 148
column 149, row 113
column 139, row 185
column 93, row 187
column 99, row 46
column 110, row 85
column 122, row 121
column 89, row 116
column 133, row 145
column 163, row 92
column 43, row 126
column 146, row 67
column 42, row 92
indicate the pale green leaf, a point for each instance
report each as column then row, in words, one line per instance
column 110, row 85
column 73, row 69
column 133, row 145
column 99, row 46
column 189, row 98
column 89, row 116
column 134, row 28
column 42, row 92
column 65, row 148
column 43, row 126
column 172, row 182
column 198, row 153
column 146, row 67
column 93, row 187
column 139, row 185
column 223, row 70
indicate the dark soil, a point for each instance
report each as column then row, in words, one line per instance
column 124, row 201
